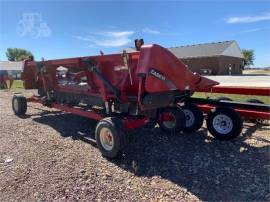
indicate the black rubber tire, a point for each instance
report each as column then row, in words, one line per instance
column 22, row 105
column 255, row 101
column 117, row 130
column 197, row 116
column 237, row 123
column 223, row 99
column 179, row 117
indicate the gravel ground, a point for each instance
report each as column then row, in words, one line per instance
column 48, row 155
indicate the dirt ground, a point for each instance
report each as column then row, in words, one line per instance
column 48, row 155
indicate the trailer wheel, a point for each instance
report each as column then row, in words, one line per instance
column 194, row 118
column 110, row 137
column 171, row 119
column 19, row 105
column 224, row 123
column 259, row 121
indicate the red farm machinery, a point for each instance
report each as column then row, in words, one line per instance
column 130, row 90
column 4, row 80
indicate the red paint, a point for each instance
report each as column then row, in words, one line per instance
column 166, row 116
column 113, row 69
column 78, row 111
column 243, row 90
column 132, row 123
column 35, row 100
column 162, row 60
column 129, row 122
column 243, row 112
column 43, row 75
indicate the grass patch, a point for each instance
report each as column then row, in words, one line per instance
column 257, row 71
column 17, row 84
column 234, row 97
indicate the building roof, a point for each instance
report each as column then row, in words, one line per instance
column 8, row 65
column 225, row 48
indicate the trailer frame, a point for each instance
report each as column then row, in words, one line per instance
column 246, row 110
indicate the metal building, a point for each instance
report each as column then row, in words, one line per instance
column 11, row 69
column 221, row 58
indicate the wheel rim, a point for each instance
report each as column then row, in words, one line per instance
column 222, row 124
column 106, row 139
column 171, row 123
column 189, row 117
column 16, row 105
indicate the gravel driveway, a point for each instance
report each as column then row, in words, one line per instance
column 49, row 155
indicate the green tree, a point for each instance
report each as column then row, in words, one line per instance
column 18, row 54
column 249, row 57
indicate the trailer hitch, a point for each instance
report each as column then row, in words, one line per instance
column 92, row 67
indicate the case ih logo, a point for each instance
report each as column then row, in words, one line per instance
column 157, row 74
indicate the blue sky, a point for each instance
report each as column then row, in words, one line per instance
column 59, row 29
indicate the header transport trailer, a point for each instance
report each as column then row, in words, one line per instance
column 123, row 92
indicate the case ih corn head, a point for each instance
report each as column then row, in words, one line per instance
column 127, row 91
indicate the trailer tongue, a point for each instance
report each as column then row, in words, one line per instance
column 123, row 92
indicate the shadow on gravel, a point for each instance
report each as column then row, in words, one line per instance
column 68, row 125
column 42, row 113
column 210, row 169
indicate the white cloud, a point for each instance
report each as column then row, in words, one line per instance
column 119, row 34
column 252, row 30
column 32, row 24
column 108, row 38
column 113, row 43
column 82, row 38
column 156, row 32
column 150, row 31
column 248, row 19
